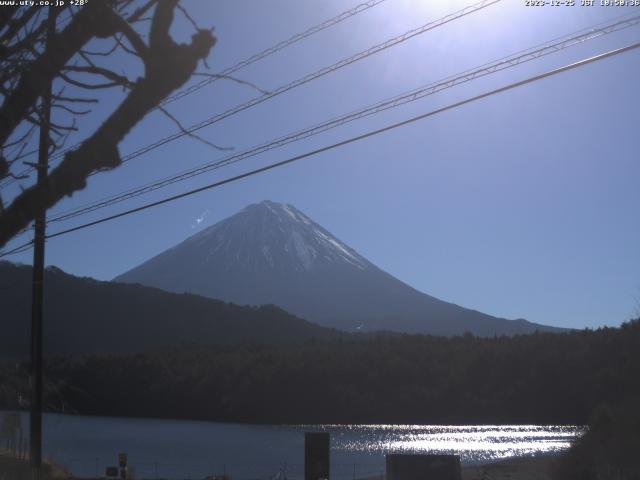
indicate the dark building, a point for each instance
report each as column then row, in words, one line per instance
column 423, row 467
column 316, row 455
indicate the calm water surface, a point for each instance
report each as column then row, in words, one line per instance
column 191, row 450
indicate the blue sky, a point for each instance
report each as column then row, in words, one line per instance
column 522, row 205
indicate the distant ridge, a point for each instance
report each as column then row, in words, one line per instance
column 83, row 315
column 273, row 253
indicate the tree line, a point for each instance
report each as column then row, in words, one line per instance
column 543, row 378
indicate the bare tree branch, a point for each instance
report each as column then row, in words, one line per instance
column 89, row 86
column 126, row 49
column 233, row 79
column 15, row 24
column 108, row 74
column 71, row 110
column 188, row 17
column 191, row 134
column 135, row 16
column 74, row 99
column 94, row 20
column 168, row 66
column 140, row 48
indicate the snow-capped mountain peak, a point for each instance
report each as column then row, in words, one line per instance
column 274, row 235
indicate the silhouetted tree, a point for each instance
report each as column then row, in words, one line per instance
column 28, row 62
column 608, row 449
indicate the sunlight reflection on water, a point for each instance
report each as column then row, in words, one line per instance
column 473, row 443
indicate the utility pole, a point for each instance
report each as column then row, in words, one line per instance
column 35, row 423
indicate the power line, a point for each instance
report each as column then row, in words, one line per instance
column 354, row 139
column 239, row 65
column 276, row 48
column 19, row 249
column 307, row 78
column 504, row 63
column 315, row 75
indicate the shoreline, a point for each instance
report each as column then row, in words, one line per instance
column 301, row 424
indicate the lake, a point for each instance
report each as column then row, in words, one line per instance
column 172, row 449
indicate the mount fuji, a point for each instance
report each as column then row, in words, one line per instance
column 272, row 253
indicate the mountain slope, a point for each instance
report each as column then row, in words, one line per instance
column 83, row 315
column 273, row 253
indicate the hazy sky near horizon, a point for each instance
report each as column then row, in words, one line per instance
column 522, row 205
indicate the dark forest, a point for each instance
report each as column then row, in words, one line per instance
column 540, row 378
